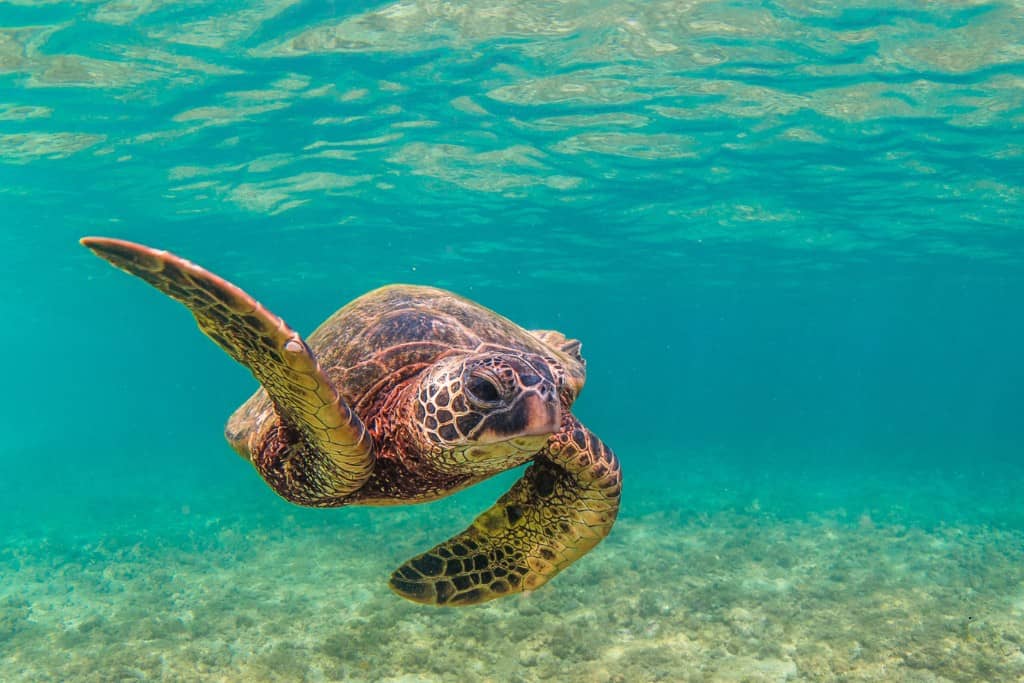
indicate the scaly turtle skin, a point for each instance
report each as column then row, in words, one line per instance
column 406, row 395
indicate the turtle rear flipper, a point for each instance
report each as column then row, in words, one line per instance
column 336, row 455
column 576, row 368
column 565, row 503
column 557, row 340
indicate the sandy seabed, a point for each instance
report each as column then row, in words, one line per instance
column 738, row 594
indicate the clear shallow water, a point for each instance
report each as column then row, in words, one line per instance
column 788, row 235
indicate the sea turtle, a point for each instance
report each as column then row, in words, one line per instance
column 406, row 395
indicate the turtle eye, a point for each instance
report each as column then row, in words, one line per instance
column 483, row 389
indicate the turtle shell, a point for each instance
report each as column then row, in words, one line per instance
column 390, row 334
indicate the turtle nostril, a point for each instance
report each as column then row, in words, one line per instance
column 529, row 380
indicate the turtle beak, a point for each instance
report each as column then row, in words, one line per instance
column 533, row 413
column 542, row 416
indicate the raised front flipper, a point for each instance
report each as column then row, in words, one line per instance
column 337, row 454
column 563, row 506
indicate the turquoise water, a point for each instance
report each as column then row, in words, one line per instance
column 789, row 235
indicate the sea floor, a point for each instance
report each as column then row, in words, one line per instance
column 711, row 577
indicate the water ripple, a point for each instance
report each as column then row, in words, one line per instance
column 693, row 122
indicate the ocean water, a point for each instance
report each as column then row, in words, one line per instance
column 790, row 236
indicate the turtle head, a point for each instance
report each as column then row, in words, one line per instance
column 486, row 408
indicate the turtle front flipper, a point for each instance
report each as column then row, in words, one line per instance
column 565, row 503
column 337, row 456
